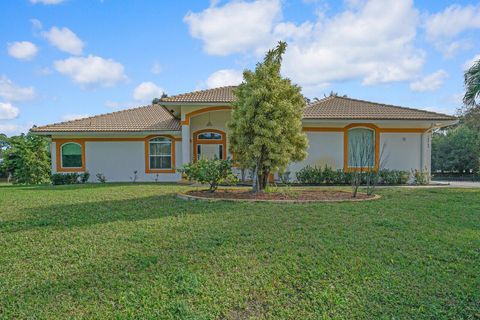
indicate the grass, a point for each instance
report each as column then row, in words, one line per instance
column 135, row 251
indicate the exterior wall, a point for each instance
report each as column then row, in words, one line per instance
column 53, row 154
column 117, row 160
column 324, row 148
column 401, row 151
column 117, row 157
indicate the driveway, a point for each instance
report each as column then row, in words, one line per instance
column 464, row 184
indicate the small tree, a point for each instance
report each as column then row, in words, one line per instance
column 365, row 168
column 212, row 172
column 266, row 125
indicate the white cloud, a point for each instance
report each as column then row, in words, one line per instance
column 156, row 68
column 372, row 41
column 91, row 70
column 64, row 39
column 47, row 2
column 430, row 82
column 224, row 77
column 36, row 24
column 9, row 128
column 441, row 28
column 469, row 63
column 8, row 112
column 146, row 91
column 237, row 26
column 70, row 117
column 11, row 92
column 452, row 21
column 13, row 129
column 23, row 50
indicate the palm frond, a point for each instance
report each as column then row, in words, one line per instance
column 472, row 84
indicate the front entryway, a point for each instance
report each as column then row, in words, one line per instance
column 209, row 151
column 209, row 144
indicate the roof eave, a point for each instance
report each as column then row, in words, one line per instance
column 105, row 133
column 192, row 103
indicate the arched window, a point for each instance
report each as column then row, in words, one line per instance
column 209, row 136
column 361, row 148
column 71, row 155
column 160, row 153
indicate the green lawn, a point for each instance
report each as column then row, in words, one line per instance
column 135, row 251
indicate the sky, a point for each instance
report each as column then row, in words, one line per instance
column 66, row 59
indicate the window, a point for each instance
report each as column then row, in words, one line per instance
column 361, row 148
column 220, row 152
column 71, row 154
column 160, row 153
column 209, row 136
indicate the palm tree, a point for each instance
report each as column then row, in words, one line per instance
column 472, row 85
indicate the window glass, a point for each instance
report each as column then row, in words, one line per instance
column 160, row 153
column 71, row 155
column 361, row 148
column 210, row 136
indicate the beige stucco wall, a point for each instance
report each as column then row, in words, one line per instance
column 117, row 160
column 401, row 151
column 324, row 148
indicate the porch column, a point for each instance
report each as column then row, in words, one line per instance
column 426, row 152
column 185, row 143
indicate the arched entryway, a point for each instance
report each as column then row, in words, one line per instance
column 208, row 144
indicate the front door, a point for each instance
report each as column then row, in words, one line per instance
column 209, row 144
column 209, row 151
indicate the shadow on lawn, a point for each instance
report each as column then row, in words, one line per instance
column 91, row 213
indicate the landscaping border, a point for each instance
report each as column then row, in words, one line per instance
column 188, row 197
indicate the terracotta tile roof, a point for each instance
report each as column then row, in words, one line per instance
column 147, row 118
column 216, row 95
column 348, row 108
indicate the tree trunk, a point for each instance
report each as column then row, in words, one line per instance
column 255, row 180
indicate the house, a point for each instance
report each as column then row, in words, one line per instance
column 154, row 140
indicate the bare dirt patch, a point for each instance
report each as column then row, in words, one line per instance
column 297, row 195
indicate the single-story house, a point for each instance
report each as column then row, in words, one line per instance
column 154, row 140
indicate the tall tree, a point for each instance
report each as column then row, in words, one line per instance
column 27, row 159
column 471, row 112
column 266, row 124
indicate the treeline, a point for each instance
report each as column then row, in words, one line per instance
column 25, row 159
column 457, row 149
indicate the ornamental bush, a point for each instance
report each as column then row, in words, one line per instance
column 64, row 178
column 317, row 175
column 213, row 172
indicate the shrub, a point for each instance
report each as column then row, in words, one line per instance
column 329, row 175
column 84, row 177
column 391, row 177
column 310, row 175
column 421, row 177
column 101, row 178
column 212, row 172
column 315, row 175
column 65, row 178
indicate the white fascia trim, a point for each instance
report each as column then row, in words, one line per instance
column 122, row 134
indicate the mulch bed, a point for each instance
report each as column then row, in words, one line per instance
column 295, row 195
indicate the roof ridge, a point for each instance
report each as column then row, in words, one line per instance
column 319, row 100
column 195, row 92
column 102, row 115
column 388, row 105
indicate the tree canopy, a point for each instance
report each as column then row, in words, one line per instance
column 26, row 158
column 266, row 124
column 456, row 150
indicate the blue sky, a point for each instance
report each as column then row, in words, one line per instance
column 66, row 59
